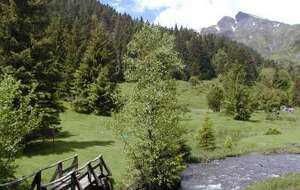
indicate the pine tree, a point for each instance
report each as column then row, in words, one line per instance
column 75, row 47
column 103, row 95
column 27, row 54
column 206, row 136
column 94, row 75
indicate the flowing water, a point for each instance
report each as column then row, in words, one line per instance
column 236, row 173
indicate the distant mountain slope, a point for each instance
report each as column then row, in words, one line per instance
column 272, row 39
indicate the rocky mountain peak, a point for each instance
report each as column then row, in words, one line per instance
column 226, row 21
column 271, row 38
column 242, row 16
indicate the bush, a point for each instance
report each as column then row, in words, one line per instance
column 215, row 98
column 228, row 142
column 206, row 136
column 272, row 131
column 194, row 81
column 82, row 105
column 242, row 108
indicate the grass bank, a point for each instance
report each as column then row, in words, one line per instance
column 88, row 136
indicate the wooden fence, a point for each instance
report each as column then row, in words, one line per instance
column 94, row 175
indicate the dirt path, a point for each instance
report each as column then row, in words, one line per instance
column 238, row 172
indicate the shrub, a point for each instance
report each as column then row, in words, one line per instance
column 215, row 98
column 206, row 136
column 82, row 105
column 273, row 131
column 194, row 81
column 241, row 105
column 228, row 142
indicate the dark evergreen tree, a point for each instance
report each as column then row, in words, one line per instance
column 94, row 75
column 26, row 53
column 206, row 135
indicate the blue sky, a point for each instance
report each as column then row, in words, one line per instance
column 202, row 13
column 129, row 7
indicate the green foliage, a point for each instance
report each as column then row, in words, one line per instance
column 206, row 56
column 270, row 100
column 103, row 96
column 238, row 101
column 286, row 182
column 272, row 91
column 272, row 131
column 194, row 81
column 219, row 61
column 17, row 119
column 215, row 98
column 27, row 53
column 149, row 121
column 296, row 92
column 282, row 80
column 206, row 136
column 266, row 77
column 94, row 90
column 228, row 143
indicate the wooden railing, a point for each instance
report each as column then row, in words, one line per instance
column 94, row 175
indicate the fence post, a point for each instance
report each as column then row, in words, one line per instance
column 37, row 181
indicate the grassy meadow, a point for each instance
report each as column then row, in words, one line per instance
column 288, row 182
column 89, row 135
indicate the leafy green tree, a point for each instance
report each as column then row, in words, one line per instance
column 282, row 80
column 149, row 121
column 206, row 136
column 94, row 89
column 296, row 92
column 270, row 100
column 16, row 121
column 242, row 105
column 266, row 77
column 215, row 97
column 220, row 61
column 238, row 101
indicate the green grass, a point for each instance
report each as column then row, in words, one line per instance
column 85, row 135
column 288, row 182
column 88, row 136
column 248, row 136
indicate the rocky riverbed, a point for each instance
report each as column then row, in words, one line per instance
column 236, row 173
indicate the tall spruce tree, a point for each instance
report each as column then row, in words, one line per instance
column 94, row 89
column 26, row 53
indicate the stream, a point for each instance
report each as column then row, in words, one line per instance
column 236, row 173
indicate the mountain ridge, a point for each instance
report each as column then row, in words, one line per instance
column 275, row 40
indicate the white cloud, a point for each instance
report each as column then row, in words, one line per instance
column 202, row 13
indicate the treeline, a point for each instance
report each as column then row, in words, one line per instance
column 274, row 88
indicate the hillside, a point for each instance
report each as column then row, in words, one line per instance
column 272, row 39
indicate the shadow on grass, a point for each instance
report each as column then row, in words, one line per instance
column 63, row 134
column 58, row 147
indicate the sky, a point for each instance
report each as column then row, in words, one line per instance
column 197, row 14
